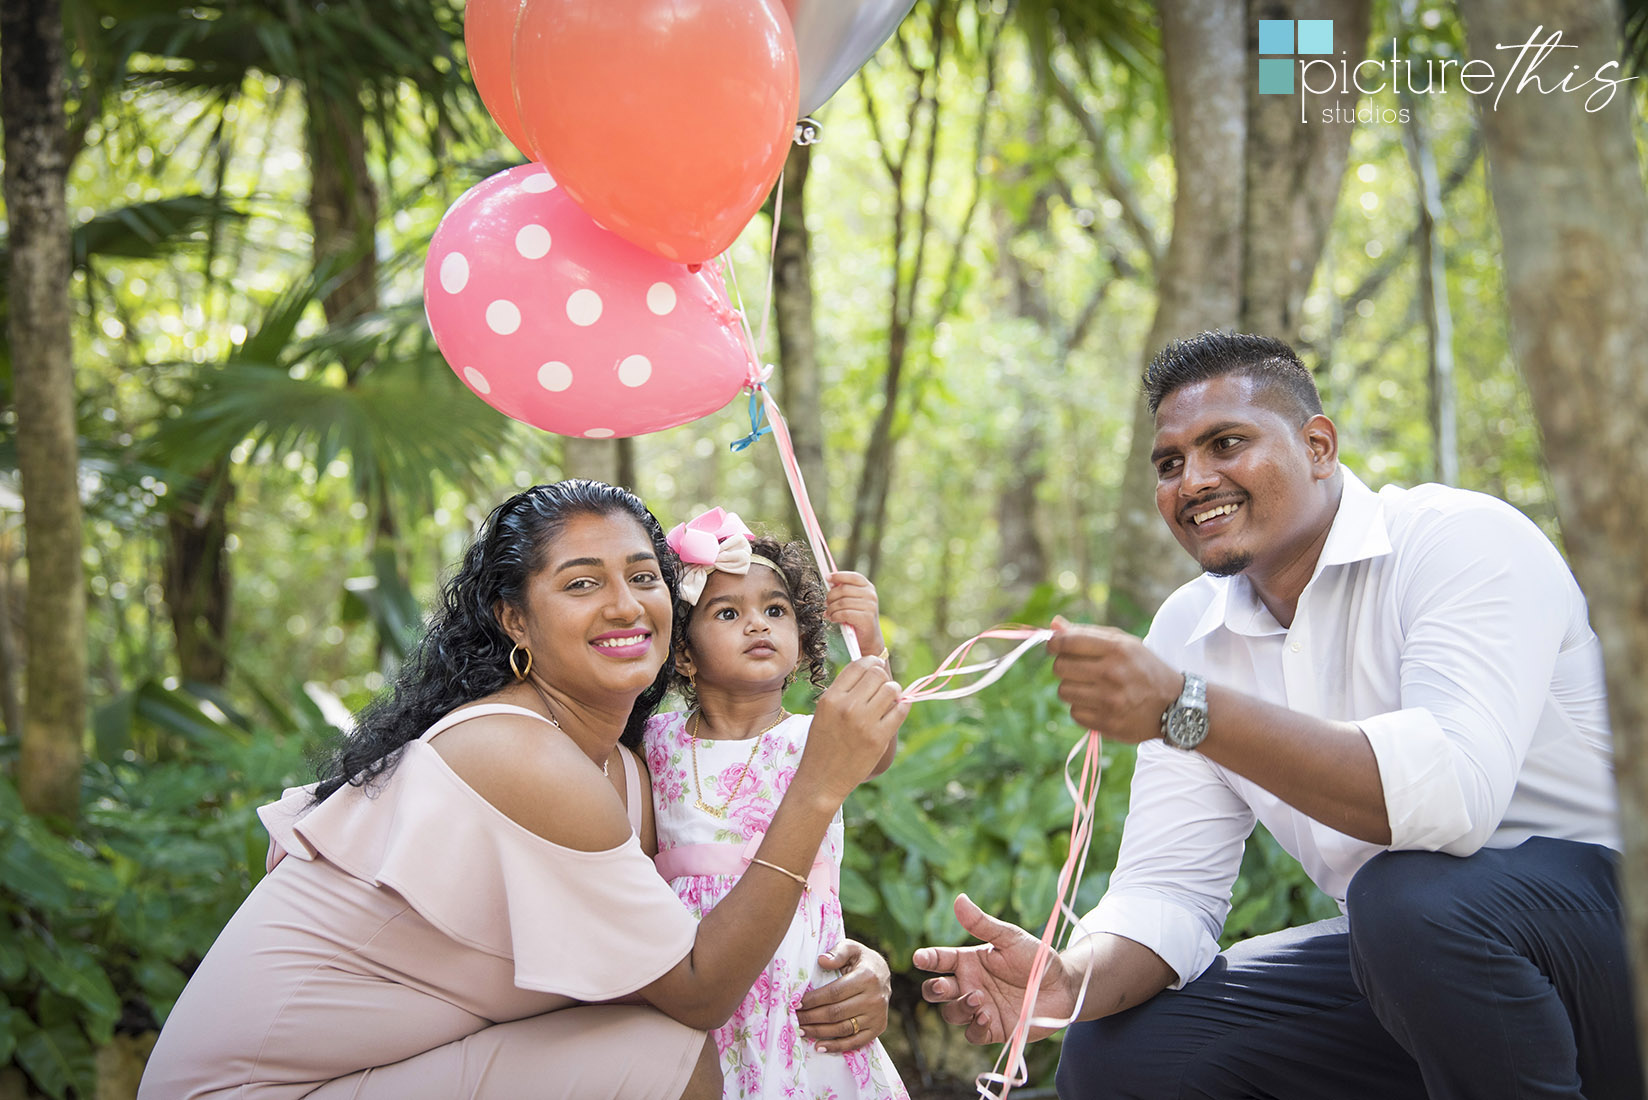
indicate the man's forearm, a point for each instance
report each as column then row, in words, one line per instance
column 1319, row 767
column 1125, row 973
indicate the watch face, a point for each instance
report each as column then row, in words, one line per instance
column 1187, row 726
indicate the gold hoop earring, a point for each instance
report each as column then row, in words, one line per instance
column 514, row 665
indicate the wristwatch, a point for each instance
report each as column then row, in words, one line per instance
column 1184, row 722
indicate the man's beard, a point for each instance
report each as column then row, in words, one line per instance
column 1230, row 564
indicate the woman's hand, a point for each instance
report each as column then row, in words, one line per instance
column 850, row 1012
column 853, row 728
column 852, row 603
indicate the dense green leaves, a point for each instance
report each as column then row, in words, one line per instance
column 99, row 931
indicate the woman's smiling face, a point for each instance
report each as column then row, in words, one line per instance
column 596, row 615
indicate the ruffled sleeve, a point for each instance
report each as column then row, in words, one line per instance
column 587, row 925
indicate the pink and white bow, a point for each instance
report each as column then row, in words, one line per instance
column 716, row 539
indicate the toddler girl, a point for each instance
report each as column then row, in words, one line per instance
column 751, row 613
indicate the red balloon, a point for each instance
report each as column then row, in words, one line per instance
column 667, row 121
column 489, row 32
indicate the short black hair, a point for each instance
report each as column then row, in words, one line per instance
column 1272, row 364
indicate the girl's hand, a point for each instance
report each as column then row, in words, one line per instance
column 852, row 603
column 851, row 1011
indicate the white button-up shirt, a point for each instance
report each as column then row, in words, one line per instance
column 1448, row 628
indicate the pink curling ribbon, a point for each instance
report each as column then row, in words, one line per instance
column 714, row 540
column 1010, row 1069
column 780, row 430
column 936, row 684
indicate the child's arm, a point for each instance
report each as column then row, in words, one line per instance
column 852, row 602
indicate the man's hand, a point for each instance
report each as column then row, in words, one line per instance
column 983, row 986
column 1113, row 684
column 851, row 1011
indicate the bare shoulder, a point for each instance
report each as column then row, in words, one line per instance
column 536, row 776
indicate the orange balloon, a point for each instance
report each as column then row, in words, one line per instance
column 665, row 120
column 489, row 32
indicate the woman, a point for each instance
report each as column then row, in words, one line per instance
column 469, row 879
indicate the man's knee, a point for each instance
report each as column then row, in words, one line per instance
column 1116, row 1058
column 1413, row 917
column 1397, row 897
column 705, row 1083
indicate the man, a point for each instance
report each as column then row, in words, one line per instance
column 1404, row 689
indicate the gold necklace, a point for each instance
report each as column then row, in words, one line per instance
column 697, row 784
column 550, row 712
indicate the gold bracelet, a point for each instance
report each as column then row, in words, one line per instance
column 781, row 870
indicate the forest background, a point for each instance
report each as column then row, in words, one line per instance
column 233, row 466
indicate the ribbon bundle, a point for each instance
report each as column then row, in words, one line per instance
column 947, row 682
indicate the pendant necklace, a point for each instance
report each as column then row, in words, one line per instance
column 698, row 786
column 550, row 712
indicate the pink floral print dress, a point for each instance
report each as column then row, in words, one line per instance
column 703, row 855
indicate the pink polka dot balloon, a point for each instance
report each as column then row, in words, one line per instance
column 558, row 323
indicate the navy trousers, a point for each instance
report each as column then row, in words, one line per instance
column 1498, row 976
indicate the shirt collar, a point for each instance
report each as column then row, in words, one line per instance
column 1358, row 533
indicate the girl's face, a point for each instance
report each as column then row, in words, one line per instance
column 597, row 614
column 743, row 633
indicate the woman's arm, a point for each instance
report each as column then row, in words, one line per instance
column 857, row 716
column 548, row 785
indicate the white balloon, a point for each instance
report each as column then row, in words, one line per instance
column 833, row 38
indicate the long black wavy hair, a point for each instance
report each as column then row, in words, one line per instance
column 464, row 654
column 807, row 593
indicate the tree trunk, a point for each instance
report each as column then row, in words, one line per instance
column 1021, row 558
column 196, row 574
column 799, row 383
column 1293, row 172
column 31, row 106
column 596, row 459
column 1199, row 282
column 1433, row 296
column 1574, row 218
column 343, row 208
column 11, row 657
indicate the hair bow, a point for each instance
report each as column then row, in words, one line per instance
column 714, row 540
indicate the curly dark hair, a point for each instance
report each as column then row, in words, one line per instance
column 464, row 654
column 795, row 561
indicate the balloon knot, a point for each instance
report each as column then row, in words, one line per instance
column 758, row 413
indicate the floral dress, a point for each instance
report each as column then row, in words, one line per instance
column 704, row 854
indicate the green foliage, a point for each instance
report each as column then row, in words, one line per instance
column 102, row 929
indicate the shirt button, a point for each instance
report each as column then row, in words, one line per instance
column 1295, row 647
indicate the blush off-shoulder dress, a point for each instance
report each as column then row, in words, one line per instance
column 417, row 944
column 703, row 853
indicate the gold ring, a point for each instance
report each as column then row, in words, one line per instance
column 854, row 1022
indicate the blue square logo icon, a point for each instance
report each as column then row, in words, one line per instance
column 1276, row 35
column 1276, row 76
column 1315, row 36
